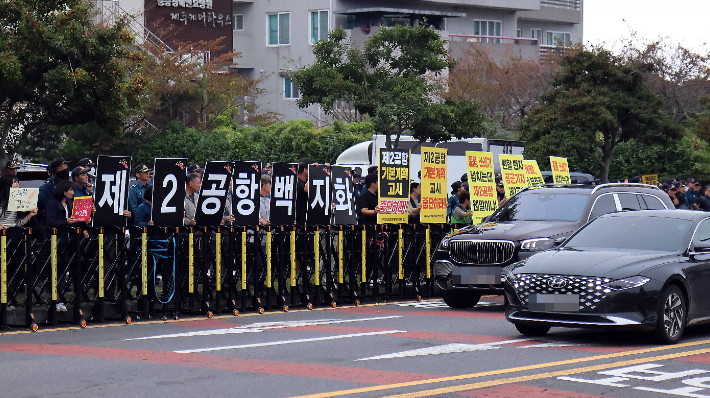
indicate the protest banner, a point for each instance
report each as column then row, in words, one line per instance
column 651, row 179
column 246, row 196
column 343, row 196
column 434, row 200
column 513, row 173
column 111, row 191
column 213, row 193
column 481, row 184
column 168, row 201
column 23, row 199
column 82, row 208
column 533, row 176
column 318, row 212
column 393, row 188
column 560, row 170
column 283, row 194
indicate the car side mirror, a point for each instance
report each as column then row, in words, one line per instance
column 700, row 249
column 558, row 241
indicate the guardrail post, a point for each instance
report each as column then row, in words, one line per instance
column 269, row 285
column 292, row 251
column 400, row 259
column 316, row 264
column 3, row 280
column 144, row 273
column 427, row 265
column 53, row 277
column 363, row 259
column 341, row 251
column 218, row 267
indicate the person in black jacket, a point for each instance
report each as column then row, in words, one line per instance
column 703, row 202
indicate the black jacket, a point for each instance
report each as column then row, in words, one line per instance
column 56, row 216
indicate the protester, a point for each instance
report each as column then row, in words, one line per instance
column 367, row 206
column 267, row 169
column 143, row 211
column 415, row 202
column 136, row 190
column 691, row 194
column 462, row 213
column 11, row 168
column 57, row 172
column 227, row 215
column 302, row 191
column 265, row 200
column 192, row 194
column 9, row 218
column 500, row 191
column 193, row 168
column 464, row 181
column 456, row 188
column 680, row 195
column 82, row 186
column 703, row 202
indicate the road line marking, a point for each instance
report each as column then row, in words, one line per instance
column 260, row 327
column 474, row 386
column 444, row 349
column 502, row 371
column 273, row 343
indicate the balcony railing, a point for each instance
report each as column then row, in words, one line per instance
column 494, row 39
column 568, row 4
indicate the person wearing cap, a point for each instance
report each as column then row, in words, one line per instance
column 680, row 195
column 703, row 202
column 144, row 209
column 691, row 194
column 82, row 186
column 58, row 171
column 136, row 191
column 11, row 168
column 456, row 189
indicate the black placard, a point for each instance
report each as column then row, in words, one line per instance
column 318, row 195
column 283, row 194
column 343, row 196
column 213, row 193
column 168, row 192
column 245, row 196
column 111, row 196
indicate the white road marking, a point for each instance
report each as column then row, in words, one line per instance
column 261, row 326
column 444, row 349
column 546, row 345
column 441, row 304
column 273, row 343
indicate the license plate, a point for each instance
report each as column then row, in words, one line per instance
column 554, row 302
column 476, row 276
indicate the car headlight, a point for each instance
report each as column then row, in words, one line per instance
column 537, row 244
column 625, row 283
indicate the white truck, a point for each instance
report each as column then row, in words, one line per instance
column 364, row 154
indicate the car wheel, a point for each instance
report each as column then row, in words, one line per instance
column 671, row 315
column 460, row 299
column 532, row 330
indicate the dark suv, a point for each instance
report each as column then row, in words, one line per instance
column 472, row 260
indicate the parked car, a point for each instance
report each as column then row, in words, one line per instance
column 472, row 260
column 647, row 270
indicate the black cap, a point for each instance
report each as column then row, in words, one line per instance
column 690, row 180
column 56, row 163
column 86, row 162
column 79, row 171
column 12, row 164
column 193, row 168
column 464, row 177
column 141, row 168
column 455, row 187
column 635, row 179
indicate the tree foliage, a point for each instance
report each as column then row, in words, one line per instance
column 394, row 81
column 597, row 103
column 59, row 69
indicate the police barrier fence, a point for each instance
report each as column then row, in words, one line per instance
column 75, row 276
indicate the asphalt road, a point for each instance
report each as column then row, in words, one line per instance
column 397, row 349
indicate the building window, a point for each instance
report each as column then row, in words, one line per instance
column 279, row 29
column 351, row 22
column 536, row 33
column 488, row 28
column 519, row 33
column 319, row 26
column 290, row 89
column 563, row 39
column 238, row 22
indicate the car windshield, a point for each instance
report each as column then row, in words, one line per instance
column 639, row 233
column 542, row 205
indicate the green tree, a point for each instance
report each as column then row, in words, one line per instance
column 394, row 80
column 58, row 69
column 597, row 103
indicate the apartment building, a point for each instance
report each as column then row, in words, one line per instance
column 275, row 37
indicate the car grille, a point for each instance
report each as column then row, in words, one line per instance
column 479, row 252
column 585, row 286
